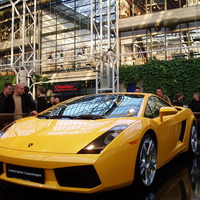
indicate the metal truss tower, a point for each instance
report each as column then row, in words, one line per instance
column 27, row 46
column 22, row 39
column 104, row 44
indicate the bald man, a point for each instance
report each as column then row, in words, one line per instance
column 19, row 103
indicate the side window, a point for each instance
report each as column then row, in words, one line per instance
column 153, row 106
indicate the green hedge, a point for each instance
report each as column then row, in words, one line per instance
column 42, row 79
column 178, row 75
column 7, row 79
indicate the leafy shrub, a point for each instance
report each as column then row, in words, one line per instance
column 173, row 76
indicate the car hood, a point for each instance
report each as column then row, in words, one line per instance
column 56, row 136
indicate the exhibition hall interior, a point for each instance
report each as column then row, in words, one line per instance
column 86, row 41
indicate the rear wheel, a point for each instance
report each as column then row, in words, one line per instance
column 193, row 140
column 146, row 161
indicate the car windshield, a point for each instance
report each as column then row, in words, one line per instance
column 97, row 106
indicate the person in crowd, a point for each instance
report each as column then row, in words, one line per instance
column 19, row 103
column 27, row 92
column 137, row 89
column 41, row 100
column 57, row 100
column 51, row 102
column 159, row 93
column 194, row 105
column 178, row 101
column 7, row 90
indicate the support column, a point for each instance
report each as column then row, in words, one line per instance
column 104, row 48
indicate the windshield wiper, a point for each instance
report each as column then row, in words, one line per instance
column 56, row 116
column 70, row 117
column 90, row 117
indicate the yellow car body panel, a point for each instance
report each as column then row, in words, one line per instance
column 51, row 144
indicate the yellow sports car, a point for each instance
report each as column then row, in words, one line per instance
column 96, row 142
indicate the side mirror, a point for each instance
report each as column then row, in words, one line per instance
column 164, row 111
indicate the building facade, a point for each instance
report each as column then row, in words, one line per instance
column 159, row 29
column 79, row 45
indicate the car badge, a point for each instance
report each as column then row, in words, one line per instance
column 30, row 144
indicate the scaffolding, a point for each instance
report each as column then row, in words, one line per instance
column 23, row 22
column 23, row 40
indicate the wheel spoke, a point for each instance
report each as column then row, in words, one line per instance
column 147, row 175
column 142, row 167
column 150, row 147
column 152, row 165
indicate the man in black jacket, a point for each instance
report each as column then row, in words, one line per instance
column 179, row 100
column 7, row 90
column 19, row 103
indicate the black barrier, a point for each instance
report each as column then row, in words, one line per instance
column 197, row 114
column 6, row 118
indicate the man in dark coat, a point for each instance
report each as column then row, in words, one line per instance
column 7, row 90
column 18, row 103
column 194, row 105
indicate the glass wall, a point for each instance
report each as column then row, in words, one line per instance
column 166, row 34
column 66, row 34
column 141, row 45
column 63, row 36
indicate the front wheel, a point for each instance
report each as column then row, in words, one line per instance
column 146, row 161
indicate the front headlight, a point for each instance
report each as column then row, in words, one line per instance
column 5, row 129
column 96, row 146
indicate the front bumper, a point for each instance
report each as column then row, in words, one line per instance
column 69, row 172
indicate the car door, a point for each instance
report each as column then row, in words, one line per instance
column 168, row 131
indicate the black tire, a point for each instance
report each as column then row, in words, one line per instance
column 146, row 162
column 193, row 140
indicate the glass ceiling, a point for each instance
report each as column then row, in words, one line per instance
column 1, row 1
column 83, row 7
